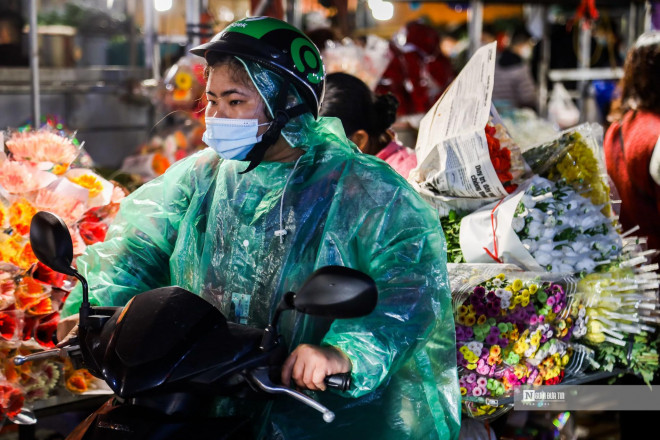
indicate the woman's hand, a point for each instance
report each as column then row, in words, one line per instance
column 308, row 365
column 67, row 328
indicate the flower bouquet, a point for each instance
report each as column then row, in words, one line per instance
column 576, row 158
column 36, row 173
column 510, row 332
column 544, row 226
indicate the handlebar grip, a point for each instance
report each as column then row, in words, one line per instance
column 339, row 381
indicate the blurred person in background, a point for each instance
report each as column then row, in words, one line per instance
column 632, row 139
column 419, row 72
column 514, row 84
column 367, row 119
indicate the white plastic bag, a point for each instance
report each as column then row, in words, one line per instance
column 561, row 109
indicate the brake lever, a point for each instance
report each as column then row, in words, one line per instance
column 67, row 350
column 260, row 377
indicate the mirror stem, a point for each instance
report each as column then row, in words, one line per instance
column 85, row 307
column 269, row 338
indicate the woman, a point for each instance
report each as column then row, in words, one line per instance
column 265, row 206
column 367, row 119
column 631, row 140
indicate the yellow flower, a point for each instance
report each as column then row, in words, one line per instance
column 535, row 340
column 89, row 182
column 501, row 276
column 481, row 320
column 20, row 215
column 508, row 288
column 533, row 288
column 60, row 169
column 470, row 308
column 470, row 320
column 471, row 366
column 564, row 360
column 462, row 311
column 524, row 302
column 525, row 293
column 517, row 285
column 463, row 391
column 460, row 320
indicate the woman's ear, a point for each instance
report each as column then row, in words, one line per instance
column 361, row 139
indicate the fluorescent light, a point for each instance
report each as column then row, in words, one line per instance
column 381, row 10
column 163, row 5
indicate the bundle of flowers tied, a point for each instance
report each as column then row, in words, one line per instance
column 511, row 330
column 38, row 172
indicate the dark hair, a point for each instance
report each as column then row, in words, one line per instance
column 639, row 85
column 236, row 68
column 358, row 108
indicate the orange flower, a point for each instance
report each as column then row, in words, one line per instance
column 160, row 164
column 76, row 383
column 20, row 215
column 43, row 307
column 30, row 293
column 3, row 216
column 26, row 258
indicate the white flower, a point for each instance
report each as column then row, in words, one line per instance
column 530, row 245
column 518, row 223
column 534, row 229
column 543, row 258
column 567, row 268
column 585, row 264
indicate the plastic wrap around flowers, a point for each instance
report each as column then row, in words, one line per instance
column 511, row 333
column 36, row 175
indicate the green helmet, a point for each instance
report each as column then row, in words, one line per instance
column 278, row 46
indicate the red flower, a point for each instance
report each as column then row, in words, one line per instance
column 92, row 232
column 48, row 276
column 11, row 401
column 46, row 329
column 8, row 324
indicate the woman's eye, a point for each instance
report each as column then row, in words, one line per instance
column 234, row 102
column 211, row 103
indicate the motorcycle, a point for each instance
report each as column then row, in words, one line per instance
column 171, row 358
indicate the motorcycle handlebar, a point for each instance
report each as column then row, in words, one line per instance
column 339, row 381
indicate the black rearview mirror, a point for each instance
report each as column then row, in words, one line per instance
column 51, row 242
column 337, row 292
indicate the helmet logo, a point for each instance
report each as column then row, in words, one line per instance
column 305, row 57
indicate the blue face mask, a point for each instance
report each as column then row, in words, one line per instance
column 232, row 138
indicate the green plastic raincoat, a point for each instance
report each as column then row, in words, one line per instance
column 207, row 228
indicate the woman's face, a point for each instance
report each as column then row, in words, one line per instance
column 229, row 98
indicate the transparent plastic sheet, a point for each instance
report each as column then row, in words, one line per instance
column 366, row 62
column 577, row 157
column 512, row 329
column 214, row 228
column 544, row 225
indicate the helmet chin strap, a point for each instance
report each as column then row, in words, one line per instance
column 281, row 117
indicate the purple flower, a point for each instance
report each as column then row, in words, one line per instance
column 484, row 353
column 460, row 333
column 544, row 339
column 533, row 320
column 471, row 378
column 467, row 331
column 461, row 381
column 551, row 301
column 503, row 342
column 556, row 308
column 491, row 339
column 494, row 330
column 480, row 309
column 490, row 296
column 463, row 362
column 479, row 290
